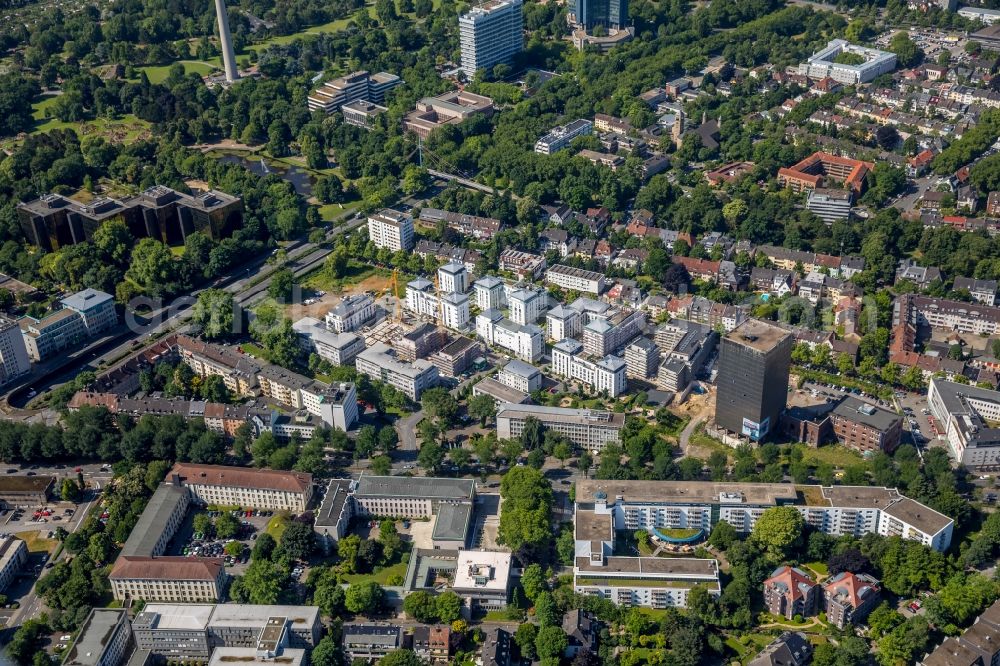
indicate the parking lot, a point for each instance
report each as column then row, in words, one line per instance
column 189, row 543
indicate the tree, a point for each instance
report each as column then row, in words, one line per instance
column 585, row 462
column 70, row 490
column 533, row 434
column 550, row 642
column 152, row 267
column 263, row 582
column 298, row 540
column 421, row 606
column 777, row 531
column 326, row 652
column 364, row 598
column 431, row 456
column 226, row 526
column 400, row 657
column 449, row 606
column 546, row 611
column 381, row 465
column 533, row 581
column 723, row 535
column 233, row 548
column 202, row 523
column 440, row 405
column 907, row 52
column 525, row 520
column 483, row 408
column 213, row 313
column 525, row 638
column 282, row 285
column 389, row 538
column 263, row 547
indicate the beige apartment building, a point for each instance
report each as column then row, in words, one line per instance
column 182, row 579
column 245, row 487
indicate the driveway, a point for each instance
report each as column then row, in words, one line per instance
column 689, row 429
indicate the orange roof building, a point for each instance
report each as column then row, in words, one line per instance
column 850, row 597
column 815, row 170
column 176, row 579
column 790, row 592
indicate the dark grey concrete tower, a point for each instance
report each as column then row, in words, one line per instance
column 226, row 41
column 752, row 382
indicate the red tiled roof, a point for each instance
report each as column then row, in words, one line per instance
column 792, row 579
column 850, row 588
column 244, row 477
column 167, row 568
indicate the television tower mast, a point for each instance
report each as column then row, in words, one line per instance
column 226, row 41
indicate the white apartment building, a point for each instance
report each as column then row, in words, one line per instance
column 180, row 579
column 966, row 414
column 563, row 322
column 575, row 279
column 822, row 63
column 452, row 277
column 96, row 308
column 336, row 405
column 834, row 510
column 14, row 360
column 450, row 309
column 379, row 362
column 490, row 34
column 455, row 311
column 520, row 376
column 589, row 429
column 337, row 348
column 605, row 334
column 391, row 229
column 527, row 304
column 525, row 341
column 606, row 374
column 421, row 299
column 561, row 136
column 642, row 359
column 490, row 293
column 351, row 313
column 247, row 487
column 13, row 557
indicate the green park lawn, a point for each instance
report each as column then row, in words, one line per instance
column 836, row 455
column 380, row 576
column 159, row 73
column 276, row 526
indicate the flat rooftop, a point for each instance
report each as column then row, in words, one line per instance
column 237, row 615
column 179, row 617
column 592, row 526
column 25, row 484
column 417, row 486
column 482, row 570
column 696, row 492
column 920, row 516
column 501, row 392
column 225, row 656
column 561, row 414
column 758, row 335
column 97, row 631
column 682, row 567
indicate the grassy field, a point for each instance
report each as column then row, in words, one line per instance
column 838, row 456
column 36, row 543
column 818, row 568
column 380, row 576
column 159, row 73
column 276, row 526
column 705, row 444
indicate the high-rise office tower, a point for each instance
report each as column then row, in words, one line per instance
column 588, row 14
column 490, row 34
column 226, row 41
column 753, row 378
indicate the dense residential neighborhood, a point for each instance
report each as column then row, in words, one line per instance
column 415, row 332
